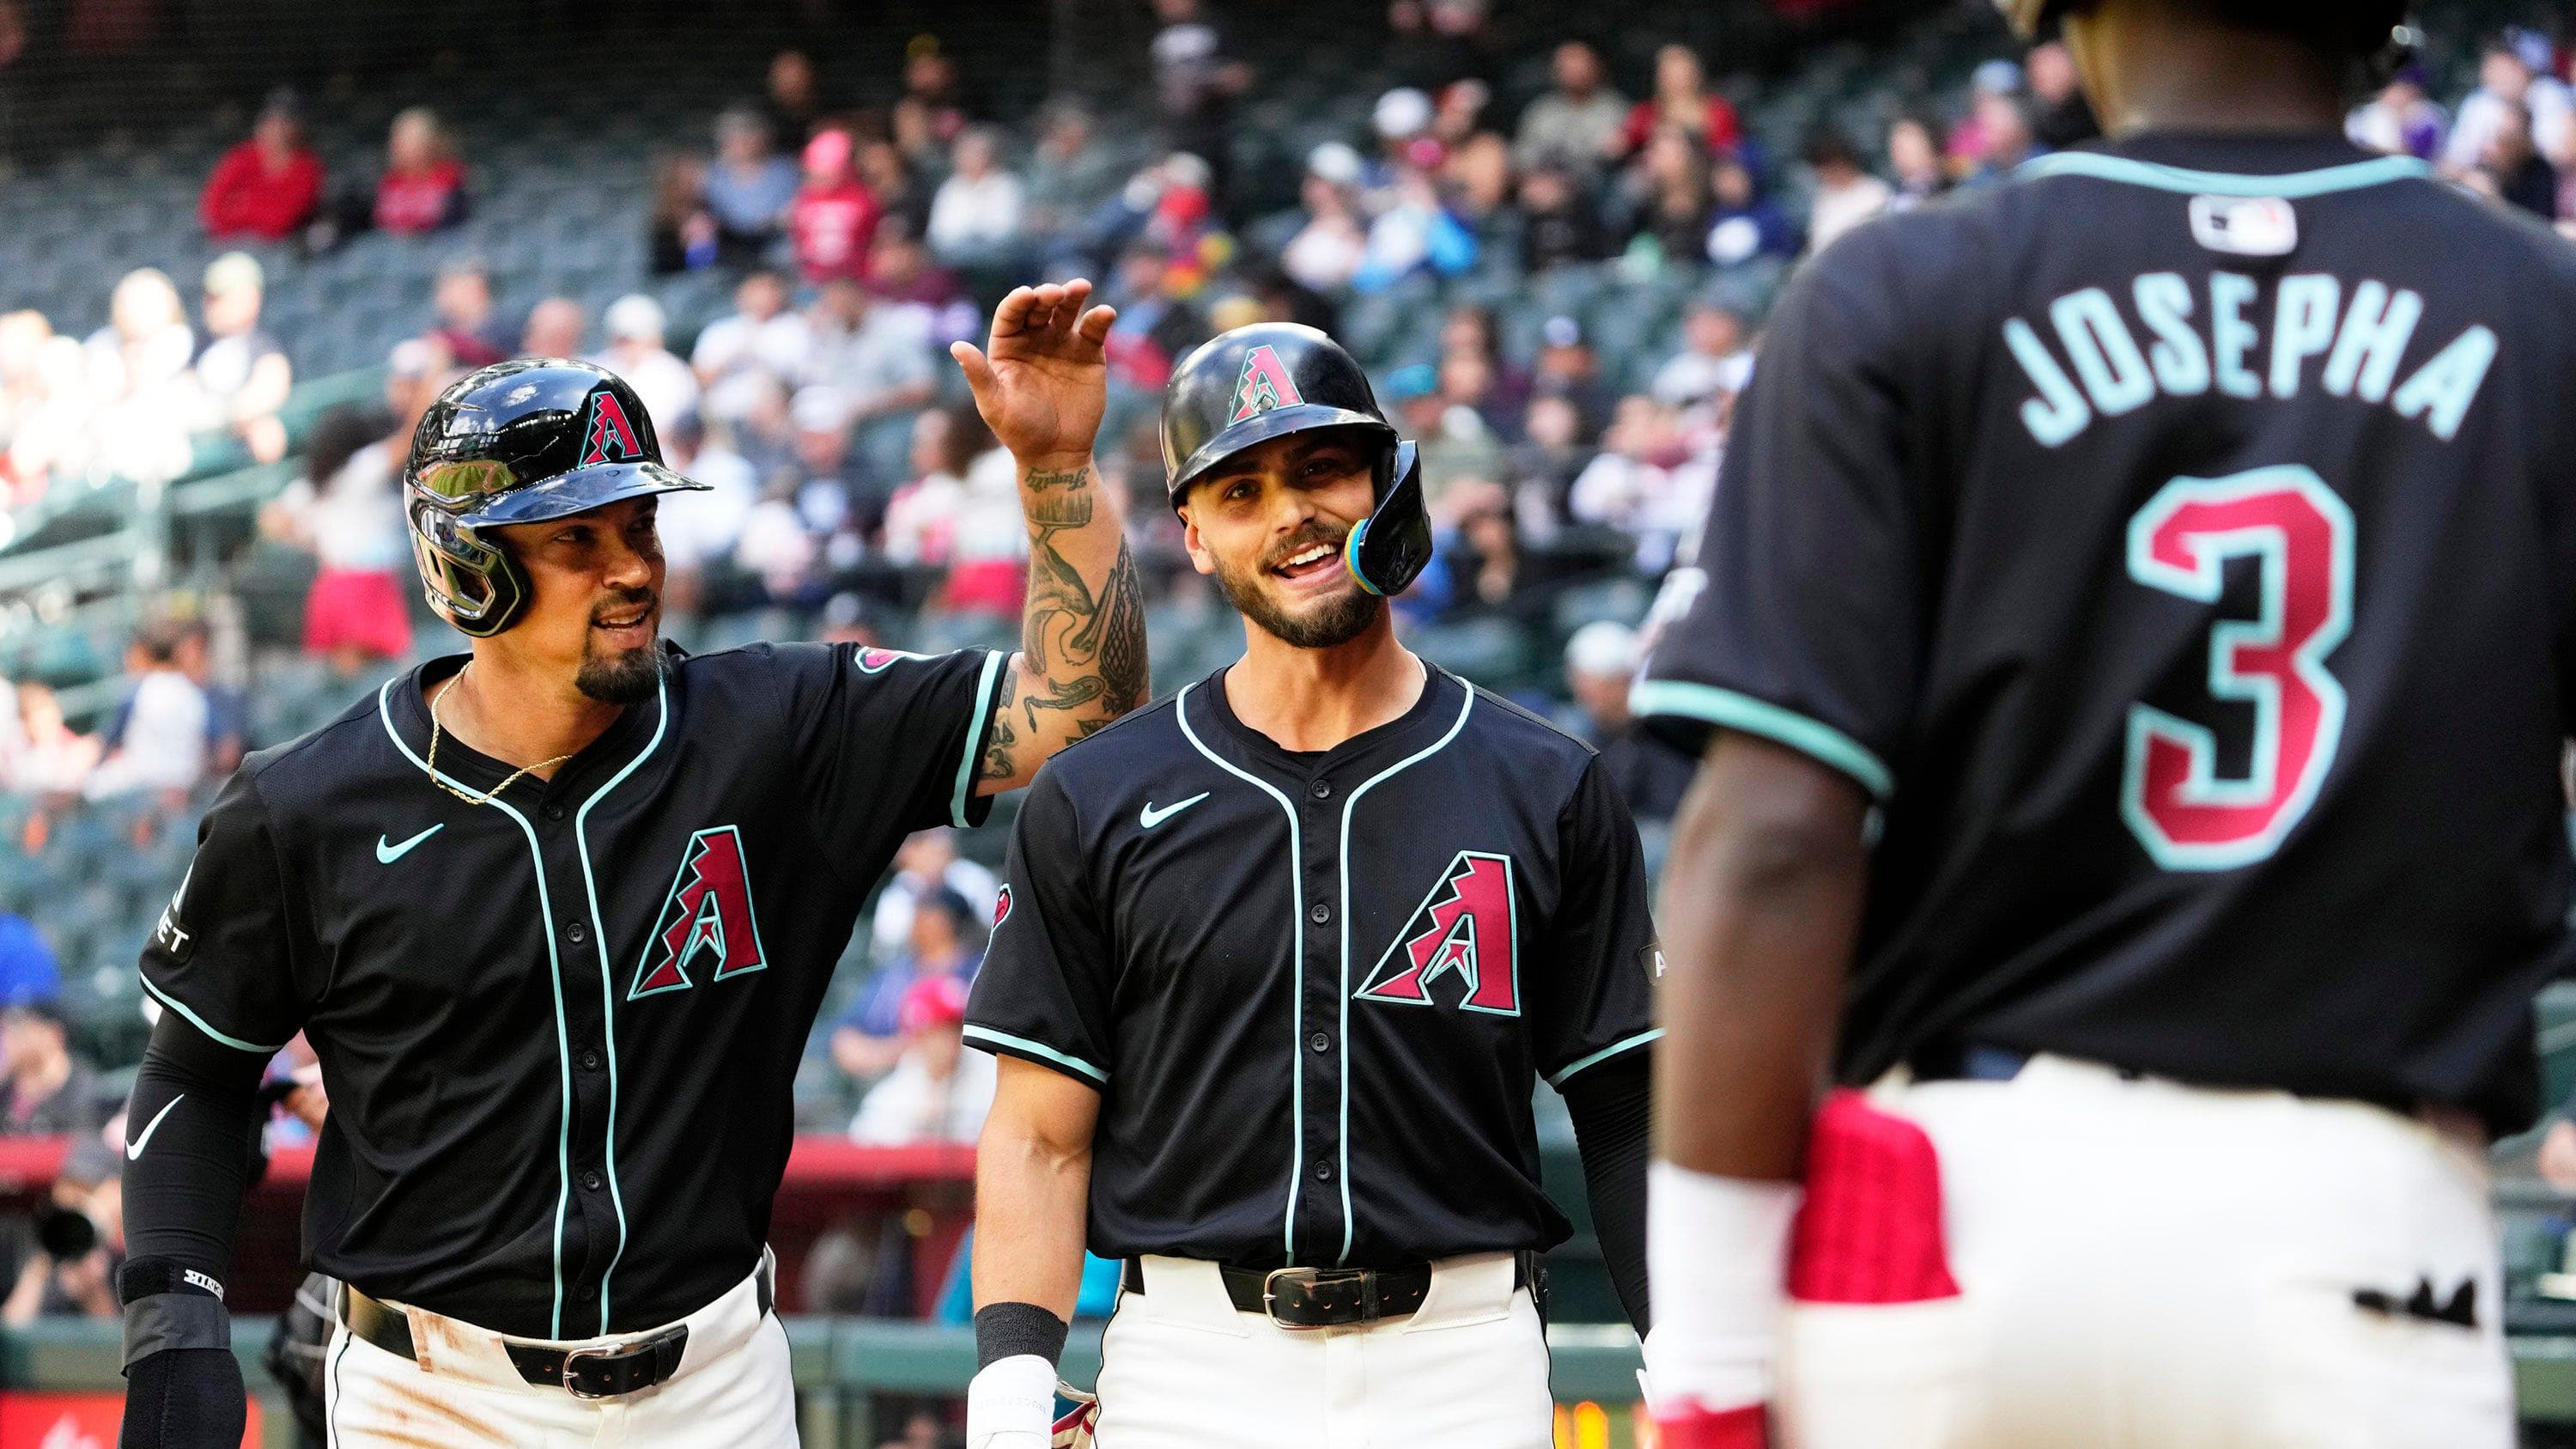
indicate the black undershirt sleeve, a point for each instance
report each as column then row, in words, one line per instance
column 1609, row 1106
column 193, row 1113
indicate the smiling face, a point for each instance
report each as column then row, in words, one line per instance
column 595, row 599
column 1269, row 523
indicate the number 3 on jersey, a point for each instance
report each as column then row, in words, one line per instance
column 2170, row 793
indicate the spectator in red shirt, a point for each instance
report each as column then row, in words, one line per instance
column 265, row 187
column 835, row 216
column 1681, row 98
column 423, row 189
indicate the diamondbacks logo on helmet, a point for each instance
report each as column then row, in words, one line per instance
column 707, row 917
column 1262, row 385
column 611, row 436
column 1466, row 928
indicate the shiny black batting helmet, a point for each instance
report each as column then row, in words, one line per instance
column 1272, row 379
column 525, row 441
column 2373, row 29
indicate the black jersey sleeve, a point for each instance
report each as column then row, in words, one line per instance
column 1043, row 992
column 1807, row 628
column 1594, row 998
column 226, row 955
column 886, row 730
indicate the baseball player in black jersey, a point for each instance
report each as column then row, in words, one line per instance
column 556, row 917
column 2171, row 547
column 1278, row 963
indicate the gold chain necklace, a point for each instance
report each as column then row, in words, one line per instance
column 439, row 698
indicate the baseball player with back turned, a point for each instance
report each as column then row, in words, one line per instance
column 1275, row 969
column 2176, row 546
column 556, row 916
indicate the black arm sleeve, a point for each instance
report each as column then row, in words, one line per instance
column 1608, row 1105
column 189, row 1137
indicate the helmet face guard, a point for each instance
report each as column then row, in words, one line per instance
column 525, row 441
column 1390, row 547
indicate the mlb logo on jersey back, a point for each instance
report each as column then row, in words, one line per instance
column 1467, row 927
column 2245, row 226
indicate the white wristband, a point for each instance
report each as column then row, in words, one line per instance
column 1010, row 1404
column 1717, row 1255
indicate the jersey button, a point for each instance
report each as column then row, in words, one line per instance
column 589, row 1060
column 591, row 1180
column 554, row 812
column 1321, row 789
column 1320, row 1042
column 578, row 932
column 1323, row 1172
column 1319, row 913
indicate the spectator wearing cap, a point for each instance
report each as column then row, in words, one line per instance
column 938, row 1091
column 423, row 188
column 1681, row 99
column 267, row 187
column 52, row 1093
column 877, row 358
column 1846, row 194
column 761, row 338
column 977, row 213
column 555, row 328
column 243, row 376
column 751, row 189
column 944, row 942
column 461, row 304
column 1576, row 125
column 2515, row 90
column 1749, row 225
column 1567, row 367
column 834, row 214
column 1601, row 662
column 1712, row 360
column 2401, row 119
column 635, row 352
column 2060, row 116
column 1559, row 224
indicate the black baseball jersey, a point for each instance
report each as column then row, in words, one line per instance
column 2180, row 542
column 560, row 1029
column 1314, row 989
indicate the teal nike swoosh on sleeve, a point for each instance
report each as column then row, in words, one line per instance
column 388, row 854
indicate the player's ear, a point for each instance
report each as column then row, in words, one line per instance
column 1200, row 558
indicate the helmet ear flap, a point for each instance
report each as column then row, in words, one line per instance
column 472, row 583
column 1390, row 547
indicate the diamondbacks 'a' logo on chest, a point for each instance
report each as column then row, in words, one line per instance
column 706, row 921
column 1464, row 938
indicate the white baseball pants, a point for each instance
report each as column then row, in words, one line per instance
column 1181, row 1368
column 733, row 1390
column 2142, row 1265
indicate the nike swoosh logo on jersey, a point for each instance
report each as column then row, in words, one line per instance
column 134, row 1149
column 1149, row 817
column 388, row 854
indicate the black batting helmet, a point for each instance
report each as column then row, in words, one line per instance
column 2372, row 28
column 525, row 441
column 1272, row 379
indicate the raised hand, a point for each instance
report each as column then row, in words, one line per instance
column 1042, row 378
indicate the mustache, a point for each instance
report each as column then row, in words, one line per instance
column 1311, row 534
column 623, row 600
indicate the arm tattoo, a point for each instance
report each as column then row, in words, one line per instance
column 1087, row 648
column 998, row 763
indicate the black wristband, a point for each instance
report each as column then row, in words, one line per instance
column 1007, row 1330
column 143, row 1277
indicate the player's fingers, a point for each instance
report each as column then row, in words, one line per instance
column 1095, row 324
column 1044, row 300
column 979, row 373
column 1012, row 317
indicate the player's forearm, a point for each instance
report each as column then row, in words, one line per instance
column 1082, row 629
column 1761, row 904
column 188, row 1134
column 1031, row 1205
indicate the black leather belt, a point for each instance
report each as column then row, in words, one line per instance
column 1329, row 1297
column 584, row 1373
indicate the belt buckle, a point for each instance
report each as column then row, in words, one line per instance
column 1309, row 1279
column 574, row 1357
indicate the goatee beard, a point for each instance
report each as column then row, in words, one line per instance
column 629, row 678
column 1336, row 622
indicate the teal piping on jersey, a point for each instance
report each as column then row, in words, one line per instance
column 1597, row 1058
column 554, row 964
column 2289, row 186
column 1036, row 1048
column 975, row 729
column 607, row 992
column 1711, row 705
column 1350, row 803
column 199, row 1022
column 1296, row 973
